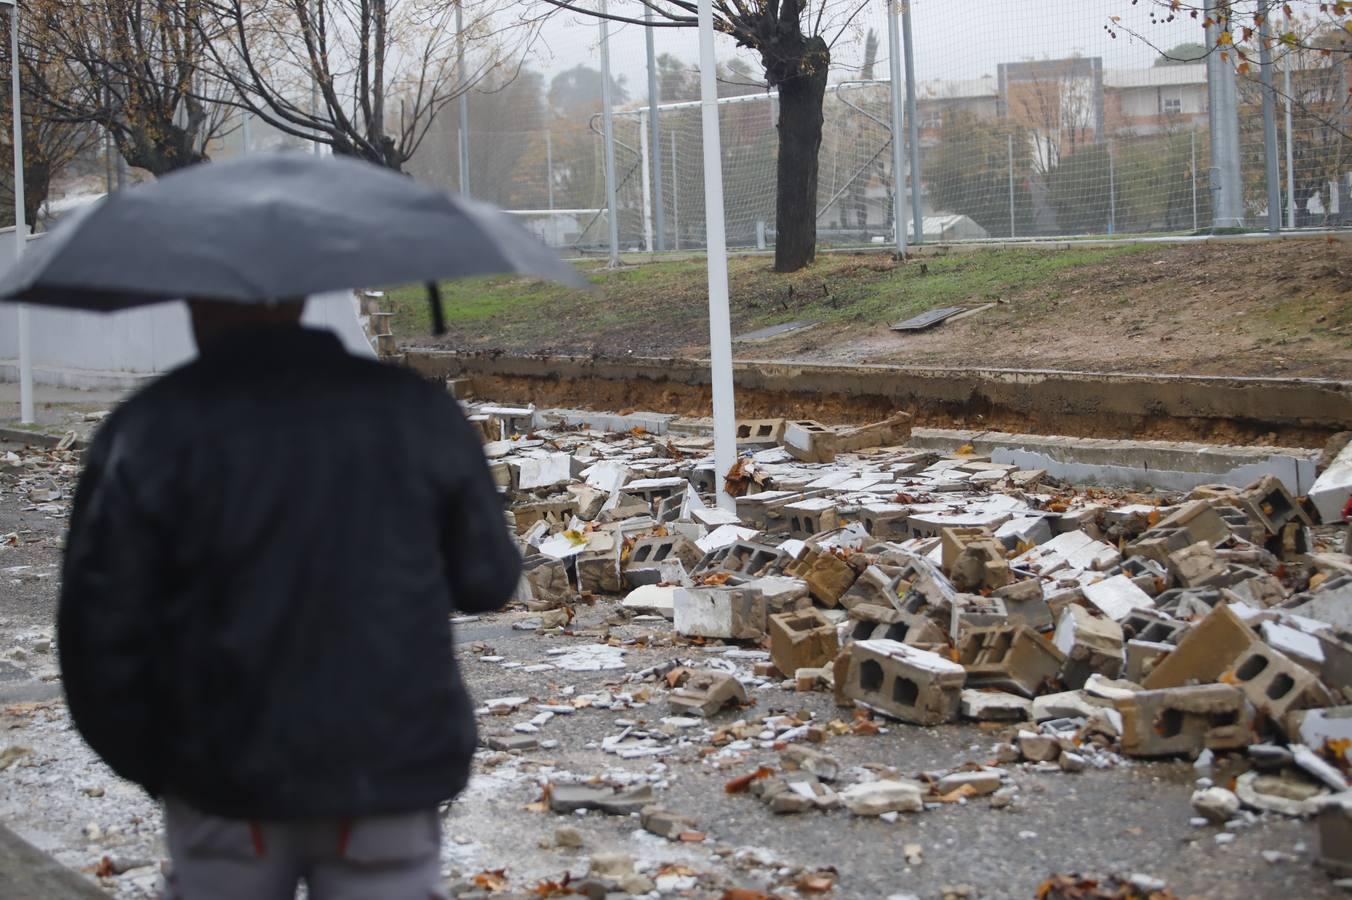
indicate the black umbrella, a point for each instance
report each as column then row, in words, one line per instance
column 269, row 227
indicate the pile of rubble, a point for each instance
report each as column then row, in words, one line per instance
column 930, row 588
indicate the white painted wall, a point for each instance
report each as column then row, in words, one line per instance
column 86, row 350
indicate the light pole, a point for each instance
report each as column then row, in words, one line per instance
column 720, row 324
column 20, row 225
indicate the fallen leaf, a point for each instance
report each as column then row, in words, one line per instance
column 493, row 880
column 744, row 894
column 742, row 783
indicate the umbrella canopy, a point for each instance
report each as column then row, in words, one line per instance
column 268, row 227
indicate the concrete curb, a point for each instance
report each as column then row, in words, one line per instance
column 29, row 874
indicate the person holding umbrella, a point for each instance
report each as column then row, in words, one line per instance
column 267, row 543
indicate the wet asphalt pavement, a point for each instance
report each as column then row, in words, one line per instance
column 1132, row 818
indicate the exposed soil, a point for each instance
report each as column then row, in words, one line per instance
column 1279, row 308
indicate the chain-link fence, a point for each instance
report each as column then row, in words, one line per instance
column 1036, row 118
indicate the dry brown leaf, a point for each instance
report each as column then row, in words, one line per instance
column 742, row 783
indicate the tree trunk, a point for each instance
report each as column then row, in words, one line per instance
column 800, row 140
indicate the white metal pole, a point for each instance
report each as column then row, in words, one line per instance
column 1271, row 175
column 898, row 150
column 647, row 184
column 720, row 323
column 912, row 123
column 1194, row 178
column 675, row 199
column 20, row 222
column 1290, row 148
column 462, row 131
column 655, row 139
column 608, row 137
column 1011, row 185
column 549, row 183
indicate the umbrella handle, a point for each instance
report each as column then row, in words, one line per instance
column 438, row 315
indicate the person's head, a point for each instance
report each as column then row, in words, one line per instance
column 213, row 319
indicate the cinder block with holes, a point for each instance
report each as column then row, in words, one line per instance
column 654, row 560
column 802, row 640
column 1274, row 683
column 871, row 622
column 759, row 431
column 1010, row 657
column 1268, row 501
column 885, row 521
column 828, row 576
column 969, row 611
column 904, row 682
column 741, row 559
column 811, row 516
column 1200, row 520
column 765, row 510
column 1184, row 721
column 1149, row 625
column 809, row 441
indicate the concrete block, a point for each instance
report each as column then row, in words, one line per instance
column 547, row 580
column 1273, row 683
column 802, row 640
column 995, row 706
column 953, row 541
column 1334, row 822
column 811, row 516
column 981, row 566
column 745, row 559
column 765, row 510
column 874, row 798
column 875, row 586
column 782, row 593
column 885, row 521
column 1316, row 727
column 969, row 611
column 654, row 560
column 652, row 600
column 728, row 613
column 828, row 576
column 1009, row 657
column 809, row 441
column 1200, row 520
column 1152, row 626
column 1064, row 705
column 598, row 571
column 1090, row 644
column 869, row 622
column 1268, row 501
column 759, row 431
column 1142, row 657
column 893, row 431
column 1024, row 532
column 1025, row 604
column 1197, row 565
column 705, row 693
column 903, row 682
column 1209, row 648
column 1333, row 487
column 1117, row 596
column 1185, row 720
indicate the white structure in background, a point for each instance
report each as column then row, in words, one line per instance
column 72, row 348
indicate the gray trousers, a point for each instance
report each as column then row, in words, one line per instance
column 374, row 858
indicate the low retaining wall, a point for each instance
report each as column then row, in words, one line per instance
column 1273, row 411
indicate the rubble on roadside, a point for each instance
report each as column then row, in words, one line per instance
column 1095, row 627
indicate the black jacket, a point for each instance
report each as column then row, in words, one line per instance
column 264, row 552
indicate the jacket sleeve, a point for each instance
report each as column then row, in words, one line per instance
column 106, row 617
column 483, row 564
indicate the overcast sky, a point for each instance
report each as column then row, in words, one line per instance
column 954, row 39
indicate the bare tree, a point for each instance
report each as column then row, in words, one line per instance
column 364, row 77
column 131, row 67
column 50, row 145
column 791, row 37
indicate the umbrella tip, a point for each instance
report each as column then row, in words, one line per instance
column 438, row 314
